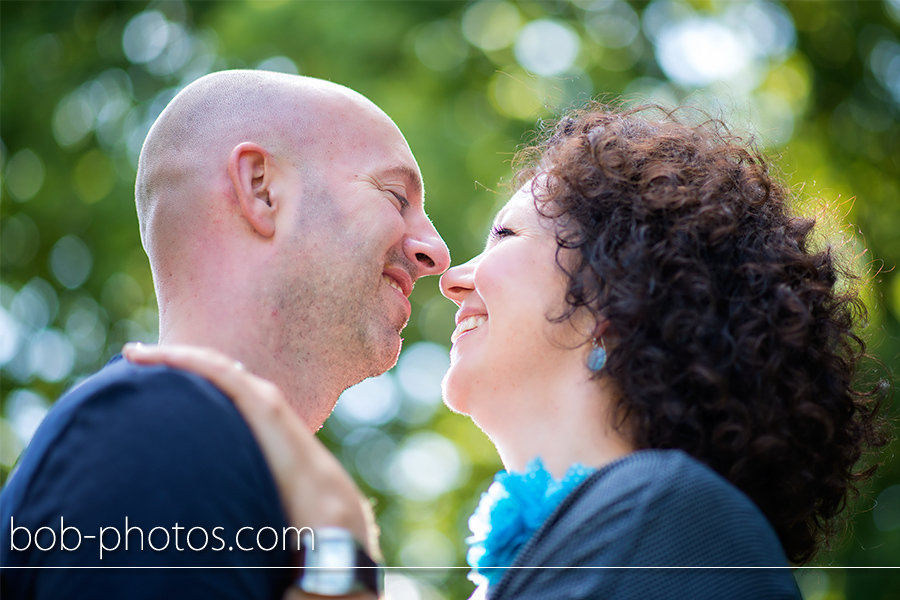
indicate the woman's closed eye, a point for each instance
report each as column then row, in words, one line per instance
column 498, row 232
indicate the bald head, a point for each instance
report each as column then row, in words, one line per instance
column 285, row 224
column 188, row 146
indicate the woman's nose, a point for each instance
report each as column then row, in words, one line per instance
column 457, row 282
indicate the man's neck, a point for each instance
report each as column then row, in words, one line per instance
column 306, row 386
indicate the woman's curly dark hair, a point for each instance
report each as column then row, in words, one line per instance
column 731, row 338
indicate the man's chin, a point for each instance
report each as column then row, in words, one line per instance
column 384, row 355
column 395, row 353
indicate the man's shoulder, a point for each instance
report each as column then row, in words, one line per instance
column 140, row 452
column 133, row 383
column 147, row 447
column 131, row 419
column 122, row 392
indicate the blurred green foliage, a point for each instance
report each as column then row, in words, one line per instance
column 82, row 82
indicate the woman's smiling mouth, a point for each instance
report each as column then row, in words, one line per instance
column 467, row 324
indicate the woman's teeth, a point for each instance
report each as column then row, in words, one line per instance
column 467, row 324
column 392, row 283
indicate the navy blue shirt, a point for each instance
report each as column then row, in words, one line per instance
column 692, row 533
column 151, row 457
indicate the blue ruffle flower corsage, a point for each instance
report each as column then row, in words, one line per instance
column 509, row 513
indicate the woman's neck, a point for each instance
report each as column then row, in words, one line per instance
column 563, row 421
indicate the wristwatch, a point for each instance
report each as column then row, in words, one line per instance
column 332, row 563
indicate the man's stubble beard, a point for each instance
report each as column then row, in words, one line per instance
column 343, row 323
column 336, row 308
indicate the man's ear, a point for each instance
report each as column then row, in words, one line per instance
column 251, row 170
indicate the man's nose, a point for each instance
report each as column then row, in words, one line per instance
column 427, row 250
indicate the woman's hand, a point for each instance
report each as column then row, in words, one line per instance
column 315, row 489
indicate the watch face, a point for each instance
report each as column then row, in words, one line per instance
column 329, row 565
column 333, row 553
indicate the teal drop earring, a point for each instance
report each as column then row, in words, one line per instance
column 596, row 360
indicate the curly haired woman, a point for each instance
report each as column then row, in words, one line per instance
column 666, row 364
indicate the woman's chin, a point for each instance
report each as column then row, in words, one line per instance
column 455, row 408
column 454, row 394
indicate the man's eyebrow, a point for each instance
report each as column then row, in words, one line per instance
column 410, row 177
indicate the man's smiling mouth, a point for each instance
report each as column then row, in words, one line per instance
column 390, row 281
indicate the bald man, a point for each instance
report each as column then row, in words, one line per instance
column 284, row 221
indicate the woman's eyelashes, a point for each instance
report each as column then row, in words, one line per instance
column 498, row 232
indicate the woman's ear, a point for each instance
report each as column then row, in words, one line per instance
column 587, row 326
column 251, row 170
column 601, row 328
